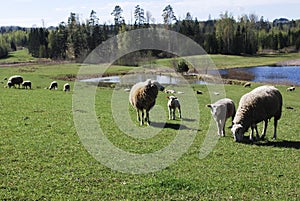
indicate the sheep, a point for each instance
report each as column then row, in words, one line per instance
column 142, row 97
column 173, row 103
column 260, row 104
column 13, row 80
column 247, row 84
column 199, row 92
column 67, row 87
column 291, row 89
column 53, row 85
column 26, row 84
column 170, row 91
column 221, row 111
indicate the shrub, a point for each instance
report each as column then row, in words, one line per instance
column 182, row 66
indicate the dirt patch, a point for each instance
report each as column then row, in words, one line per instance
column 292, row 62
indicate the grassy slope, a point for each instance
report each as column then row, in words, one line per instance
column 42, row 157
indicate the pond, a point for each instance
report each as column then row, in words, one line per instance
column 287, row 75
column 133, row 78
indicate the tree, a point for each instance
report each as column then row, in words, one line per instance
column 225, row 33
column 168, row 15
column 139, row 16
column 117, row 13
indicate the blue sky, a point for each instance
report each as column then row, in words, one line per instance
column 30, row 13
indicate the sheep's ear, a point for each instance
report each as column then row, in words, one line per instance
column 167, row 97
column 208, row 105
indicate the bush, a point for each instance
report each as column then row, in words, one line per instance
column 182, row 66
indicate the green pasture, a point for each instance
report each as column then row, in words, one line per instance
column 234, row 61
column 43, row 158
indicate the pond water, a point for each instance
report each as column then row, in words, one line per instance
column 163, row 79
column 289, row 75
column 267, row 74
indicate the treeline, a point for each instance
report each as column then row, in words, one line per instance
column 74, row 39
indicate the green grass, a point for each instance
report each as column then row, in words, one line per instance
column 19, row 56
column 43, row 158
column 233, row 61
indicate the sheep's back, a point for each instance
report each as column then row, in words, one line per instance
column 16, row 79
column 260, row 104
column 143, row 96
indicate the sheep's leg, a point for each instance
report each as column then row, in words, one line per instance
column 143, row 118
column 170, row 113
column 222, row 127
column 138, row 115
column 275, row 128
column 219, row 124
column 147, row 117
column 253, row 127
column 264, row 129
column 179, row 111
column 173, row 113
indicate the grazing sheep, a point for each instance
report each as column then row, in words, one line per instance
column 67, row 87
column 26, row 84
column 199, row 92
column 173, row 103
column 221, row 111
column 142, row 97
column 53, row 85
column 170, row 91
column 261, row 104
column 247, row 84
column 291, row 89
column 13, row 80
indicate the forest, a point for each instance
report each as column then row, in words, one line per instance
column 74, row 39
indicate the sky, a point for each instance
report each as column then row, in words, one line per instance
column 39, row 13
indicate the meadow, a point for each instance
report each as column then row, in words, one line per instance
column 43, row 158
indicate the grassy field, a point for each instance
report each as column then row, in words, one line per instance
column 233, row 61
column 43, row 158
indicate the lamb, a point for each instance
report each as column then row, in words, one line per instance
column 142, row 97
column 53, row 85
column 26, row 84
column 261, row 104
column 67, row 87
column 13, row 80
column 291, row 89
column 221, row 111
column 173, row 103
column 170, row 91
column 247, row 84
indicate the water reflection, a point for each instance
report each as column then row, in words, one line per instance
column 266, row 74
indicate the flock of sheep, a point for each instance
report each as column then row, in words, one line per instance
column 18, row 80
column 260, row 104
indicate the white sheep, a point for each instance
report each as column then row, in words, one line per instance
column 221, row 111
column 53, row 85
column 170, row 91
column 290, row 89
column 173, row 103
column 67, row 87
column 247, row 84
column 13, row 80
column 261, row 104
column 26, row 84
column 142, row 97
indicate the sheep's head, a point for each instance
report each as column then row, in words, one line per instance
column 158, row 85
column 218, row 111
column 238, row 132
column 9, row 84
column 171, row 97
